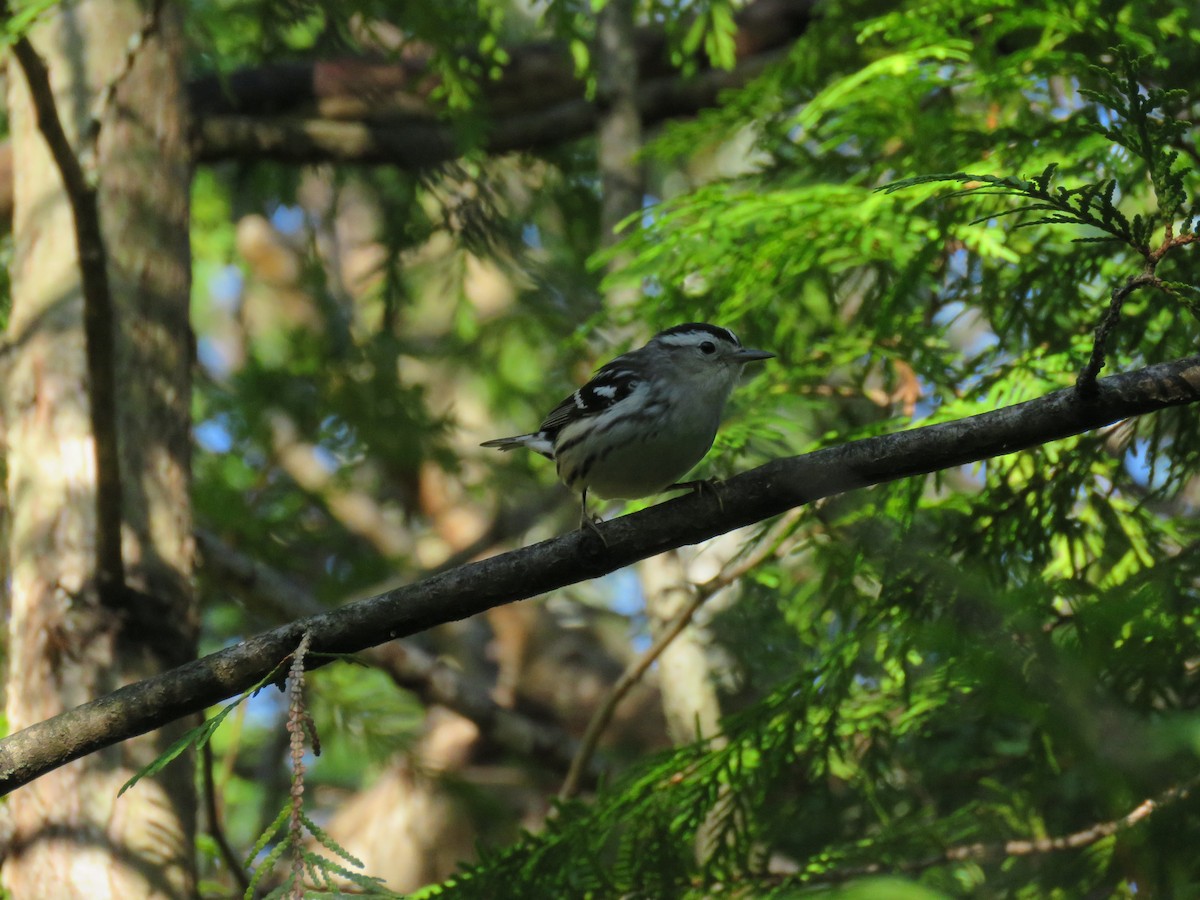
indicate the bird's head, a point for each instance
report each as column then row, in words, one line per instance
column 706, row 354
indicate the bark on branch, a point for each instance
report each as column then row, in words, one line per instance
column 468, row 590
column 409, row 666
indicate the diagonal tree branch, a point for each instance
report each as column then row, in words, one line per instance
column 408, row 665
column 750, row 497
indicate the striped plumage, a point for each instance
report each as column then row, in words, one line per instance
column 646, row 418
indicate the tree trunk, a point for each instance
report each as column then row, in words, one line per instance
column 68, row 643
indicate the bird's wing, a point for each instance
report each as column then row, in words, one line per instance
column 609, row 386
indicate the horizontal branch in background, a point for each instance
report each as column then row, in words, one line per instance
column 471, row 589
column 535, row 75
column 414, row 142
column 362, row 111
column 373, row 112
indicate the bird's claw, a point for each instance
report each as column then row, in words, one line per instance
column 587, row 523
column 699, row 487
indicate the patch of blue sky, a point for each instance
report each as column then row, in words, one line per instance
column 287, row 219
column 213, row 435
column 626, row 598
column 327, row 458
column 977, row 337
column 626, row 592
column 650, row 210
column 213, row 355
column 1143, row 468
column 531, row 235
column 225, row 288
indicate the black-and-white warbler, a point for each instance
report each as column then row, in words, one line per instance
column 646, row 418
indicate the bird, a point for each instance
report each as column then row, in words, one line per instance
column 645, row 419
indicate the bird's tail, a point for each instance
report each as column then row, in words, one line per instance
column 509, row 443
column 538, row 442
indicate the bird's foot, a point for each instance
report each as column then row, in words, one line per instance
column 699, row 486
column 587, row 522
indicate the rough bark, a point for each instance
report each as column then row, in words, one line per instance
column 70, row 641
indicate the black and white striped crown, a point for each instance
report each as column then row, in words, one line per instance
column 692, row 332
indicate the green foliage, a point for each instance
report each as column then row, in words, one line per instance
column 1153, row 138
column 22, row 16
column 1091, row 205
column 931, row 670
column 320, row 874
column 1140, row 129
column 966, row 659
column 713, row 28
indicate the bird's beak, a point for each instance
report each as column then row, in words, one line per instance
column 745, row 355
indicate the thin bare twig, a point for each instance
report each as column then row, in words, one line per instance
column 987, row 852
column 97, row 319
column 1086, row 383
column 767, row 547
column 216, row 828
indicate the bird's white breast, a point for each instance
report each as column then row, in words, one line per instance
column 639, row 447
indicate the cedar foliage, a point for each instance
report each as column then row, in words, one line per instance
column 938, row 204
column 988, row 656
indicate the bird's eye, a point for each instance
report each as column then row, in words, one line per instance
column 708, row 347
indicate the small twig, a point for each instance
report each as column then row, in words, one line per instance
column 1170, row 242
column 1085, row 384
column 984, row 852
column 97, row 319
column 768, row 546
column 215, row 828
column 298, row 726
